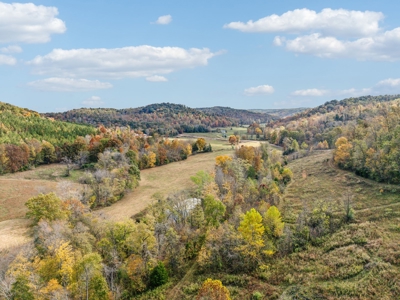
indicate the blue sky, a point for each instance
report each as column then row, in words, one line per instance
column 59, row 55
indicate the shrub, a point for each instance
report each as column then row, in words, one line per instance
column 158, row 276
column 256, row 296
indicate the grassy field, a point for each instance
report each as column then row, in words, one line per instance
column 15, row 190
column 316, row 179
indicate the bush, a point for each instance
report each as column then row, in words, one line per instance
column 256, row 296
column 158, row 276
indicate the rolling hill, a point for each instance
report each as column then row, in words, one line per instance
column 164, row 118
column 242, row 115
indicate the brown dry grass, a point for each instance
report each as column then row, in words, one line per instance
column 15, row 192
column 13, row 233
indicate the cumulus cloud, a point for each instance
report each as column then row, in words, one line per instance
column 57, row 84
column 259, row 90
column 156, row 78
column 93, row 101
column 383, row 47
column 331, row 33
column 329, row 22
column 353, row 92
column 164, row 20
column 131, row 62
column 310, row 92
column 7, row 60
column 386, row 86
column 11, row 49
column 391, row 82
column 28, row 23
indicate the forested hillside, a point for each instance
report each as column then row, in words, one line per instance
column 364, row 130
column 19, row 125
column 28, row 139
column 165, row 118
column 242, row 115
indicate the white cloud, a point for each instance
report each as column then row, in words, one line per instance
column 156, row 78
column 164, row 20
column 383, row 47
column 28, row 23
column 391, row 82
column 329, row 22
column 57, row 84
column 131, row 62
column 331, row 33
column 7, row 60
column 352, row 92
column 386, row 86
column 11, row 49
column 93, row 101
column 310, row 92
column 259, row 90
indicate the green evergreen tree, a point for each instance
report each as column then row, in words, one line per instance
column 158, row 276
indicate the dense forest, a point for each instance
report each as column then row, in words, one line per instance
column 166, row 119
column 242, row 115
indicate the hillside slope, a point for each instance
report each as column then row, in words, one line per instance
column 164, row 118
column 18, row 125
column 242, row 115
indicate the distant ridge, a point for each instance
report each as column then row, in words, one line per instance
column 280, row 112
column 244, row 116
column 163, row 118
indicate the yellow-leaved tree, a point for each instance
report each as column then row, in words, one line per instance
column 252, row 230
column 213, row 290
column 273, row 222
column 342, row 152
